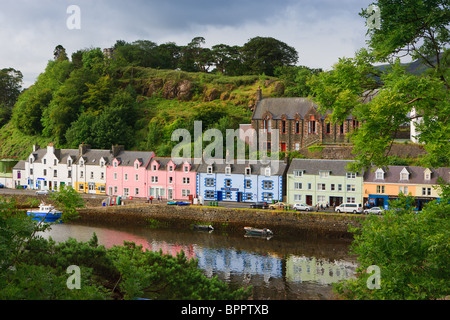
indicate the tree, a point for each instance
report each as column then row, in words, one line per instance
column 263, row 54
column 382, row 99
column 10, row 86
column 295, row 79
column 410, row 248
column 60, row 53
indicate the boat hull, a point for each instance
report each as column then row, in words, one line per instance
column 47, row 217
column 258, row 232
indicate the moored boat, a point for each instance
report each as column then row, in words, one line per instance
column 258, row 232
column 46, row 212
column 203, row 227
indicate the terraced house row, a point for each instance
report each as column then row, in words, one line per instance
column 117, row 172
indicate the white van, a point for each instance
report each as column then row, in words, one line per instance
column 350, row 207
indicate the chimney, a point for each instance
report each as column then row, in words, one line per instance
column 258, row 95
column 115, row 150
column 36, row 147
column 83, row 148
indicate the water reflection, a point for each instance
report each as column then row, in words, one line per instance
column 277, row 269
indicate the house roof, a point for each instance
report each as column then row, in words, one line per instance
column 239, row 168
column 314, row 166
column 163, row 162
column 92, row 156
column 416, row 175
column 127, row 158
column 20, row 165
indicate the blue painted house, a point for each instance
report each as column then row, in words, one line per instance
column 241, row 182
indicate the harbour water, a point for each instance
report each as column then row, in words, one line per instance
column 279, row 268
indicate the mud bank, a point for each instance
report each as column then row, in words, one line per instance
column 324, row 225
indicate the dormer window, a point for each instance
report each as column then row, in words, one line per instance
column 81, row 163
column 427, row 174
column 170, row 168
column 228, row 170
column 136, row 165
column 102, row 163
column 115, row 164
column 267, row 171
column 379, row 174
column 69, row 162
column 209, row 169
column 404, row 174
column 186, row 168
column 248, row 171
column 324, row 174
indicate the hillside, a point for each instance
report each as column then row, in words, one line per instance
column 138, row 107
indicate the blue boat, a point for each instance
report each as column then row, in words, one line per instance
column 46, row 212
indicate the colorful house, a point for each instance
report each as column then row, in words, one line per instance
column 126, row 176
column 171, row 181
column 382, row 185
column 241, row 182
column 322, row 182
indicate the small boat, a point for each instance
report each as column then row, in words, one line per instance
column 46, row 212
column 183, row 203
column 171, row 202
column 203, row 227
column 258, row 232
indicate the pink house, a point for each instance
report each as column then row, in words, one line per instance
column 171, row 181
column 126, row 176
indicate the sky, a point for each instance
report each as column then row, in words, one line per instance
column 322, row 31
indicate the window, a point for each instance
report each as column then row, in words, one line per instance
column 339, row 187
column 69, row 174
column 403, row 190
column 249, row 196
column 267, row 184
column 31, row 171
column 102, row 189
column 54, row 162
column 227, row 183
column 154, row 167
column 267, row 172
column 228, row 170
column 126, row 176
column 209, row 194
column 55, row 173
column 283, row 126
column 126, row 192
column 45, row 172
column 115, row 164
column 210, row 169
column 92, row 175
column 321, row 187
column 154, row 179
column 186, row 169
column 350, row 200
column 328, row 128
column 228, row 195
column 170, row 168
column 297, row 197
column 379, row 174
column 297, row 146
column 185, row 192
column 102, row 164
column 298, row 173
column 136, row 165
column 351, row 188
column 332, row 187
column 297, row 127
column 81, row 174
column 426, row 191
column 324, row 174
column 297, row 185
column 186, row 180
column 170, row 179
column 115, row 189
column 309, row 186
column 312, row 127
column 69, row 162
column 351, row 175
column 102, row 175
column 321, row 199
column 248, row 171
column 45, row 161
column 380, row 189
column 248, row 184
column 136, row 177
column 267, row 125
column 81, row 187
column 209, row 182
column 136, row 191
column 115, row 175
column 267, row 196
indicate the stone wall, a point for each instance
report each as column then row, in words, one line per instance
column 325, row 225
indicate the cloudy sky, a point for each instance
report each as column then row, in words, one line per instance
column 321, row 31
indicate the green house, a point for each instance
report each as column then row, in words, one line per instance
column 322, row 182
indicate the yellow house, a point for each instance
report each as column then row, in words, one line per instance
column 382, row 185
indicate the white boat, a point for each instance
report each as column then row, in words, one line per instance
column 258, row 232
column 46, row 212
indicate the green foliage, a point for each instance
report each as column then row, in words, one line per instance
column 67, row 199
column 411, row 248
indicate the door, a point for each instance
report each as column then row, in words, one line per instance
column 239, row 197
column 219, row 196
column 170, row 194
column 309, row 200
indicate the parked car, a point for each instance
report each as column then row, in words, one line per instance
column 259, row 205
column 376, row 210
column 349, row 207
column 302, row 207
column 278, row 205
column 42, row 192
column 2, row 185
